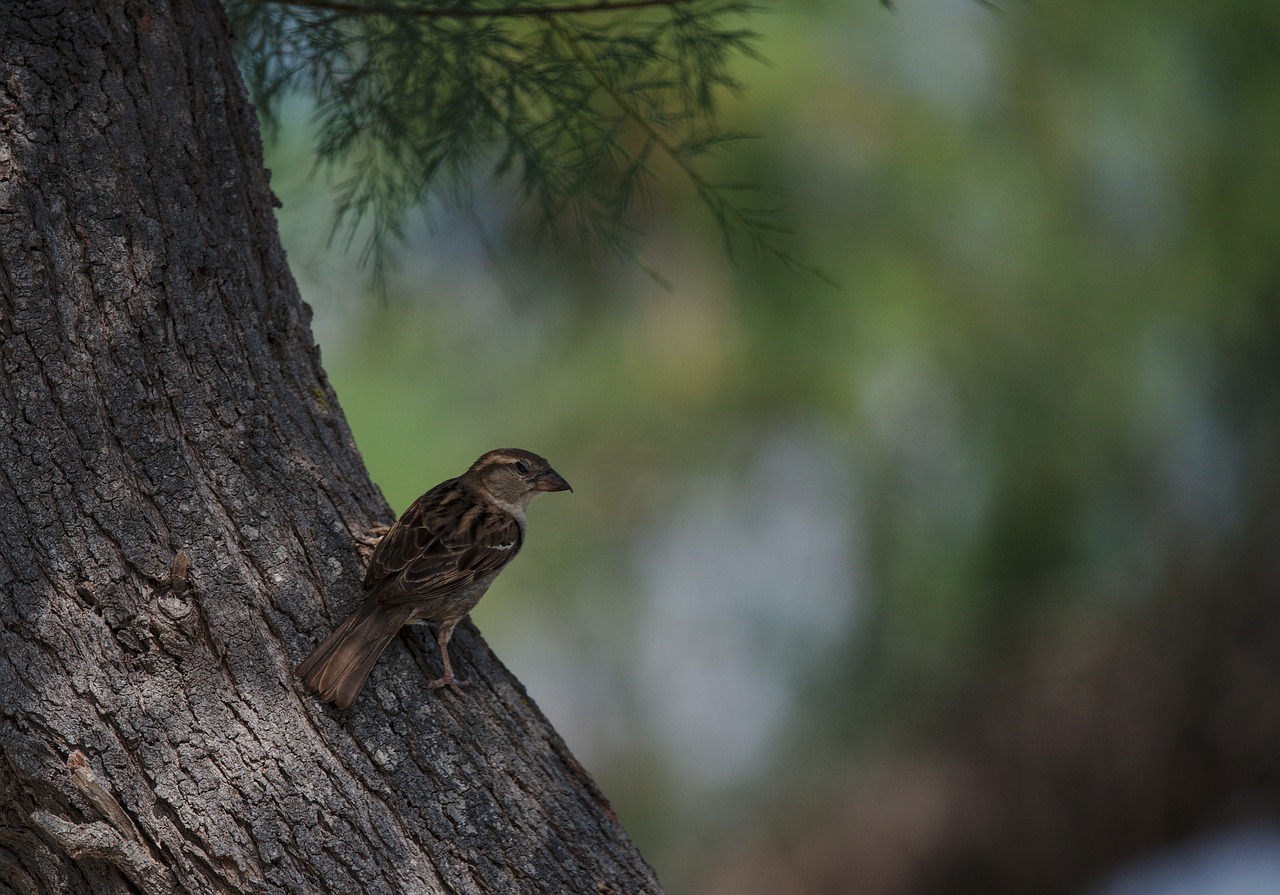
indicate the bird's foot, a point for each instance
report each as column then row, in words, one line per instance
column 453, row 683
column 370, row 538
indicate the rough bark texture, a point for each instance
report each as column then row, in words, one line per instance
column 162, row 401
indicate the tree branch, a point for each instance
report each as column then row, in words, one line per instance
column 725, row 211
column 447, row 12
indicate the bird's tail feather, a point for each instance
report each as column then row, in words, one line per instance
column 337, row 668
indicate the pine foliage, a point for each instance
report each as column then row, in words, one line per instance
column 572, row 101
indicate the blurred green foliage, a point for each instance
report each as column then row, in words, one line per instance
column 1048, row 375
column 414, row 101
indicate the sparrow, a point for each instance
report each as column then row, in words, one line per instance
column 433, row 565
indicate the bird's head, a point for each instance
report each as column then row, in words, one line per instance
column 513, row 478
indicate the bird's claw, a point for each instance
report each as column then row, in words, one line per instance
column 370, row 538
column 453, row 683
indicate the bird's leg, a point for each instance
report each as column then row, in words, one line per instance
column 448, row 680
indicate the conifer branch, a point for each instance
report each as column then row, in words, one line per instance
column 547, row 102
column 730, row 216
column 456, row 12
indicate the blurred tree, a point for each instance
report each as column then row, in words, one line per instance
column 1076, row 641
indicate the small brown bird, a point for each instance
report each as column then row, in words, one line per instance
column 434, row 565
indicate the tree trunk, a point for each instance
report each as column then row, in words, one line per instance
column 162, row 402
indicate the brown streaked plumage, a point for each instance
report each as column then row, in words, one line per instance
column 434, row 565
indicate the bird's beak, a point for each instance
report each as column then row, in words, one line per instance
column 552, row 481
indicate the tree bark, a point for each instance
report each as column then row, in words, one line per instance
column 180, row 501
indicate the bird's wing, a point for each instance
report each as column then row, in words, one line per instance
column 444, row 541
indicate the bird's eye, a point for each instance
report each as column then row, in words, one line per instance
column 522, row 467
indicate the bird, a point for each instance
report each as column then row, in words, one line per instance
column 433, row 565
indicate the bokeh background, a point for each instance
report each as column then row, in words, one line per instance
column 959, row 576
